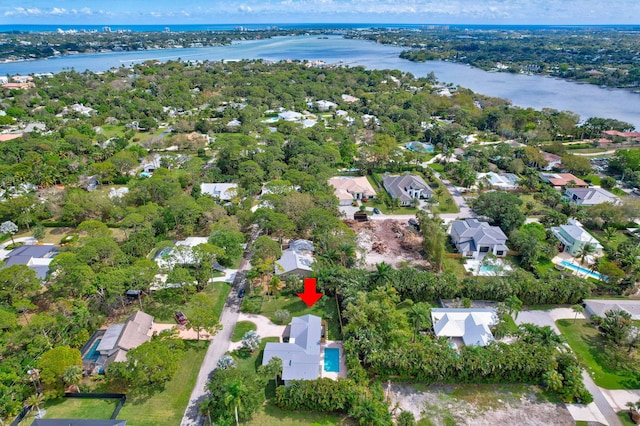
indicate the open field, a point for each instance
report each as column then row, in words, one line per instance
column 167, row 407
column 75, row 408
column 478, row 405
column 585, row 341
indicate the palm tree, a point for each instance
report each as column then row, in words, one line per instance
column 514, row 305
column 382, row 272
column 420, row 316
column 233, row 398
column 72, row 375
column 587, row 250
column 578, row 309
column 35, row 400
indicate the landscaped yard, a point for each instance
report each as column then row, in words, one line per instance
column 163, row 304
column 325, row 308
column 75, row 408
column 585, row 342
column 241, row 328
column 269, row 415
column 167, row 407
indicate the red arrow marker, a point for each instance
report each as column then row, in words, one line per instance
column 310, row 297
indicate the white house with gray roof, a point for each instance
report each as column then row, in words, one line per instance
column 406, row 188
column 474, row 239
column 599, row 307
column 222, row 191
column 590, row 196
column 301, row 355
column 296, row 260
column 573, row 237
column 471, row 325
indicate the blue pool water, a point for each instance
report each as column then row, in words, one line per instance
column 589, row 273
column 165, row 252
column 332, row 360
column 93, row 355
column 489, row 268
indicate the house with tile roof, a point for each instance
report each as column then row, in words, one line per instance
column 296, row 260
column 562, row 180
column 590, row 196
column 470, row 325
column 406, row 188
column 474, row 239
column 573, row 237
column 350, row 188
column 301, row 354
column 118, row 339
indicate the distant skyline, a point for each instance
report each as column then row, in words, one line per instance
column 525, row 12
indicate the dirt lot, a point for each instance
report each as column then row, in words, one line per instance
column 390, row 241
column 479, row 405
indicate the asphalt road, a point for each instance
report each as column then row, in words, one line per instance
column 220, row 342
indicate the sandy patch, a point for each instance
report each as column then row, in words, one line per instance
column 484, row 406
column 391, row 241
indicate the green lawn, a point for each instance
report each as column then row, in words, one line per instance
column 241, row 328
column 594, row 179
column 325, row 308
column 455, row 266
column 252, row 361
column 269, row 415
column 167, row 407
column 162, row 304
column 585, row 342
column 77, row 408
column 625, row 418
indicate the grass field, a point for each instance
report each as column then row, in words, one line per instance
column 75, row 408
column 241, row 328
column 268, row 415
column 325, row 308
column 625, row 418
column 167, row 407
column 585, row 342
column 164, row 303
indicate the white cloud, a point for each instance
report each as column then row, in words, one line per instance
column 244, row 9
column 58, row 11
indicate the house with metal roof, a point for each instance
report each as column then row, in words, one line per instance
column 573, row 237
column 503, row 181
column 301, row 355
column 474, row 239
column 406, row 188
column 599, row 307
column 296, row 260
column 35, row 257
column 222, row 191
column 471, row 325
column 118, row 339
column 590, row 196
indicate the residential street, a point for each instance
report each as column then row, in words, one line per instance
column 600, row 409
column 220, row 343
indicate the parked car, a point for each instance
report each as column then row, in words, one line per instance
column 241, row 293
column 182, row 320
column 376, row 210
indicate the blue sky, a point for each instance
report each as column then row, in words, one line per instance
column 320, row 11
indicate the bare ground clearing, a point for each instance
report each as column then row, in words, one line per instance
column 391, row 241
column 479, row 405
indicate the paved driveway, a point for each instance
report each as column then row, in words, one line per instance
column 600, row 409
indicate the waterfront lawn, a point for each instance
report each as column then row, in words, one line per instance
column 585, row 341
column 241, row 328
column 167, row 407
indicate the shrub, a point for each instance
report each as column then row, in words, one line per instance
column 226, row 362
column 282, row 316
column 251, row 340
column 406, row 419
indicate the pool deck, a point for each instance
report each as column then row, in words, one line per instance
column 343, row 368
column 557, row 260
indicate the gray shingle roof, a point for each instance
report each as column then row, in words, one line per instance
column 472, row 233
column 397, row 186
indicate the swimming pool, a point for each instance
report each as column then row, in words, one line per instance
column 164, row 253
column 271, row 120
column 586, row 271
column 332, row 360
column 93, row 355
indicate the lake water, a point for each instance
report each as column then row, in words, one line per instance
column 523, row 90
